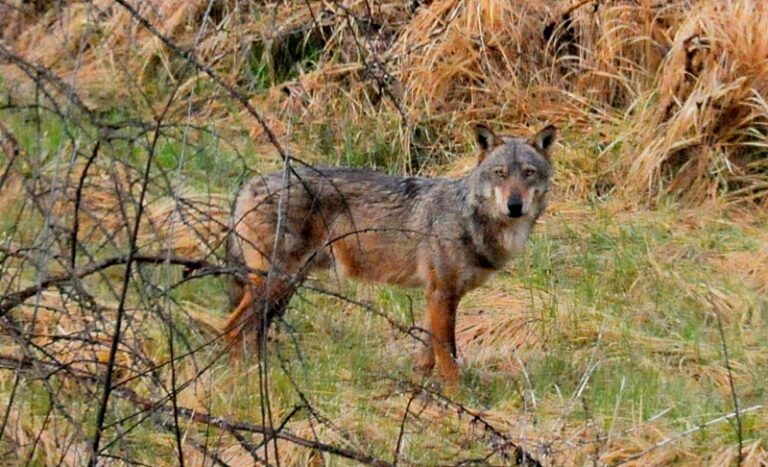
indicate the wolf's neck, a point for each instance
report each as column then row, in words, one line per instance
column 496, row 242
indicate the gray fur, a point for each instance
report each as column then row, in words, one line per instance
column 446, row 235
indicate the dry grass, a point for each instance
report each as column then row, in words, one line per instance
column 676, row 89
column 702, row 131
column 184, row 224
column 600, row 344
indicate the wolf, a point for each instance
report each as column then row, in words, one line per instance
column 444, row 235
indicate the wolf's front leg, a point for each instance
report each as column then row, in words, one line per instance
column 425, row 358
column 441, row 313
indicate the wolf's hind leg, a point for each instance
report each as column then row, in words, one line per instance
column 242, row 316
column 275, row 295
column 263, row 301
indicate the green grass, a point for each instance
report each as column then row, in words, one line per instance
column 622, row 308
column 357, row 142
column 609, row 279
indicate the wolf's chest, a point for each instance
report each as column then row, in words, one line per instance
column 513, row 239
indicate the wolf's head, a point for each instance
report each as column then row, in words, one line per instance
column 512, row 176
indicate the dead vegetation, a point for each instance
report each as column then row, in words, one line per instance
column 676, row 90
column 657, row 101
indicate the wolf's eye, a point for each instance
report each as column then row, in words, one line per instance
column 499, row 172
column 529, row 172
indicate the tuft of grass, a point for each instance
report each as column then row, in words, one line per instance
column 701, row 132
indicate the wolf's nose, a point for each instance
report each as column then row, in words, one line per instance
column 515, row 206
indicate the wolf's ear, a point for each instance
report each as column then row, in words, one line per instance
column 543, row 140
column 486, row 140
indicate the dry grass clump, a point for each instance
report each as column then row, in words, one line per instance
column 752, row 454
column 495, row 327
column 59, row 326
column 192, row 225
column 525, row 60
column 703, row 131
column 109, row 57
column 752, row 265
column 683, row 82
column 30, row 435
column 463, row 57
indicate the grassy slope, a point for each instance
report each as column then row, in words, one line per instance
column 609, row 320
column 604, row 324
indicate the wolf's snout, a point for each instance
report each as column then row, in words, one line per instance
column 515, row 206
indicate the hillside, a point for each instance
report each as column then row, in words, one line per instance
column 632, row 330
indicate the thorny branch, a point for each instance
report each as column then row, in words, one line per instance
column 501, row 443
column 231, row 426
column 72, row 275
column 10, row 301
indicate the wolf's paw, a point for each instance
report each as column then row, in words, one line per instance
column 449, row 374
column 424, row 361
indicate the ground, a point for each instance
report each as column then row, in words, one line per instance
column 631, row 330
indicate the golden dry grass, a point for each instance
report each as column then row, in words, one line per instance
column 678, row 89
column 703, row 130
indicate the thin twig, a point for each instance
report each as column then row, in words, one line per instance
column 400, row 435
column 734, row 396
column 78, row 199
column 16, row 363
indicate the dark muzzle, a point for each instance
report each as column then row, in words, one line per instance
column 515, row 206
